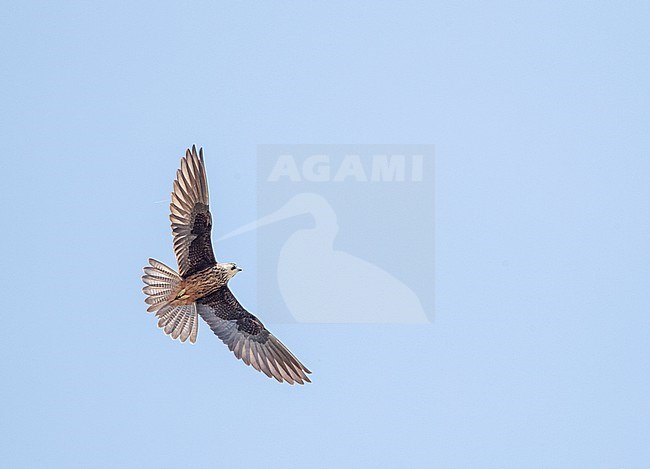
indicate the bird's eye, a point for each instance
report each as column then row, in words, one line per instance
column 232, row 268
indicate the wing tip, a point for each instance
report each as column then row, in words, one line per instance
column 290, row 373
column 192, row 152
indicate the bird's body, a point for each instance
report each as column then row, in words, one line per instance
column 201, row 285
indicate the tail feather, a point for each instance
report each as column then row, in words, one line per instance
column 177, row 321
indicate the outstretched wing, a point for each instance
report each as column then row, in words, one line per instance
column 190, row 215
column 248, row 339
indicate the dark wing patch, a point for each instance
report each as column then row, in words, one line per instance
column 248, row 339
column 190, row 216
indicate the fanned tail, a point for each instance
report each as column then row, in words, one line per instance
column 177, row 321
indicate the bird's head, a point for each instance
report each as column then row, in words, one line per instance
column 230, row 269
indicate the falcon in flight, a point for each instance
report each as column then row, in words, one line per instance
column 200, row 288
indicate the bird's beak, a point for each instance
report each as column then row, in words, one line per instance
column 239, row 269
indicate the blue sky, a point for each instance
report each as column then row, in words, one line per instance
column 538, row 355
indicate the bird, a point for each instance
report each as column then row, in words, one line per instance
column 200, row 287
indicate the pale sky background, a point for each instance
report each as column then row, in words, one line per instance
column 539, row 352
